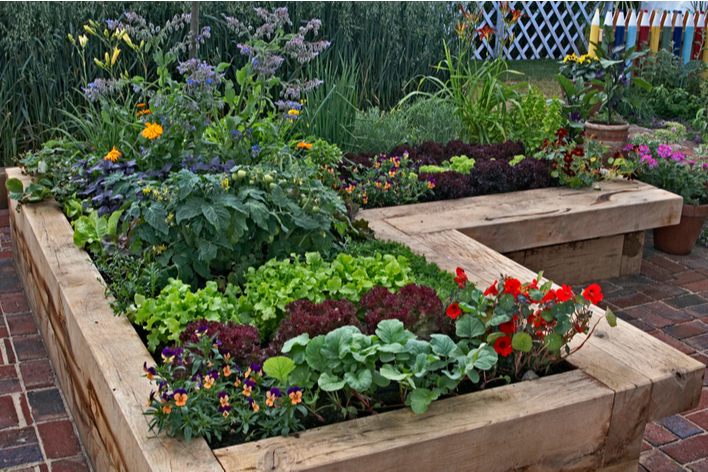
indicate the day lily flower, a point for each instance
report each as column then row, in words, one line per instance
column 485, row 33
column 152, row 131
column 515, row 16
column 113, row 155
column 180, row 397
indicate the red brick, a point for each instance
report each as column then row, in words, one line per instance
column 700, row 343
column 667, row 264
column 702, row 404
column 22, row 455
column 10, row 386
column 676, row 344
column 17, row 437
column 21, row 324
column 687, row 330
column 655, row 460
column 13, row 303
column 29, row 347
column 700, row 418
column 686, row 277
column 688, row 450
column 700, row 466
column 3, row 332
column 629, row 299
column 5, row 254
column 10, row 351
column 661, row 291
column 75, row 464
column 8, row 414
column 697, row 286
column 654, row 272
column 26, row 410
column 685, row 301
column 658, row 435
column 37, row 374
column 46, row 405
column 646, row 446
column 59, row 439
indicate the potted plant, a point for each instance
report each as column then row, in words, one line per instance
column 661, row 166
column 579, row 72
column 616, row 67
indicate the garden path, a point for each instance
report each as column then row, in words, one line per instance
column 669, row 300
column 37, row 432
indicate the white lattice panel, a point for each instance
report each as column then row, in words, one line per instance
column 549, row 29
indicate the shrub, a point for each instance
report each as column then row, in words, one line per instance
column 275, row 284
column 167, row 316
column 435, row 120
column 672, row 132
column 378, row 131
column 303, row 316
column 418, row 307
column 239, row 341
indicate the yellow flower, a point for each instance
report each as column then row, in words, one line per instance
column 152, row 130
column 114, row 57
column 113, row 155
column 83, row 40
column 304, row 145
column 293, row 112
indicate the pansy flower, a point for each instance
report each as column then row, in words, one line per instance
column 227, row 370
column 461, row 278
column 453, row 311
column 295, row 395
column 256, row 368
column 223, row 398
column 168, row 354
column 180, row 397
column 201, row 330
column 272, row 395
column 224, row 410
column 253, row 403
column 151, row 398
column 150, row 371
column 248, row 386
column 167, row 409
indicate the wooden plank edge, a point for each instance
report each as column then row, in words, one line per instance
column 108, row 413
column 461, row 430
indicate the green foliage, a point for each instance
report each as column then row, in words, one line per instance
column 220, row 225
column 665, row 69
column 348, row 363
column 578, row 102
column 127, row 276
column 422, row 272
column 672, row 132
column 433, row 119
column 675, row 104
column 166, row 316
column 461, row 164
column 272, row 286
column 90, row 230
column 538, row 119
column 323, row 154
column 378, row 132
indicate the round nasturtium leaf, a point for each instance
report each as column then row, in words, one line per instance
column 522, row 342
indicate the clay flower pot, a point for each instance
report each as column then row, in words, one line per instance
column 680, row 239
column 614, row 136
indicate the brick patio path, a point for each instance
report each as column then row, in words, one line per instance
column 669, row 300
column 36, row 431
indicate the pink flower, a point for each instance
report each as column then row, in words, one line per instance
column 644, row 149
column 648, row 160
column 678, row 156
column 665, row 151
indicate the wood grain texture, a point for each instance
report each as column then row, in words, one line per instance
column 97, row 356
column 632, row 251
column 455, row 434
column 543, row 217
column 575, row 263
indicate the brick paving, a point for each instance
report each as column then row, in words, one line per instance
column 669, row 300
column 36, row 429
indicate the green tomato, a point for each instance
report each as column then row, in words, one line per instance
column 241, row 174
column 270, row 239
column 267, row 178
column 315, row 208
column 272, row 185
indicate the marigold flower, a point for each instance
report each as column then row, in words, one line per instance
column 167, row 409
column 152, row 131
column 564, row 293
column 453, row 311
column 593, row 294
column 180, row 397
column 502, row 346
column 295, row 395
column 461, row 278
column 492, row 290
column 304, row 145
column 113, row 155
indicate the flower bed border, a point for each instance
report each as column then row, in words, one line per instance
column 574, row 236
column 613, row 392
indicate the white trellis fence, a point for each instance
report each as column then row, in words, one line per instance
column 548, row 29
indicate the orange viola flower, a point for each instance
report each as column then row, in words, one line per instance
column 227, row 371
column 180, row 397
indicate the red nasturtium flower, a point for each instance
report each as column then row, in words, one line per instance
column 502, row 346
column 593, row 294
column 509, row 327
column 564, row 293
column 453, row 311
column 461, row 278
column 492, row 290
column 550, row 296
column 512, row 286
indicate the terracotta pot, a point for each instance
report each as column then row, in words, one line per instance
column 596, row 107
column 680, row 239
column 614, row 136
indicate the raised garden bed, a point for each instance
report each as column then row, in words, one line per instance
column 574, row 236
column 622, row 379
